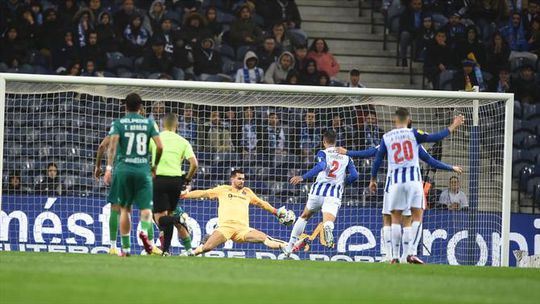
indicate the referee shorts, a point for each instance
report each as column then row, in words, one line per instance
column 166, row 192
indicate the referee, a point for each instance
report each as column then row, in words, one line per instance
column 170, row 181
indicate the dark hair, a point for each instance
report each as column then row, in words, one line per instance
column 454, row 177
column 133, row 102
column 313, row 49
column 402, row 114
column 234, row 172
column 330, row 136
column 354, row 72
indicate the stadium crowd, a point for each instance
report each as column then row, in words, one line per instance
column 256, row 41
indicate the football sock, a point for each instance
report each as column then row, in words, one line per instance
column 166, row 224
column 145, row 226
column 415, row 237
column 406, row 241
column 151, row 233
column 186, row 242
column 297, row 230
column 114, row 218
column 387, row 241
column 126, row 243
column 396, row 240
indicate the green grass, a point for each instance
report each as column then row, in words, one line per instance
column 74, row 278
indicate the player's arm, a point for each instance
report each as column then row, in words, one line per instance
column 422, row 137
column 353, row 173
column 430, row 160
column 360, row 153
column 193, row 164
column 210, row 193
column 255, row 200
column 99, row 155
column 159, row 149
column 113, row 144
column 381, row 152
column 320, row 166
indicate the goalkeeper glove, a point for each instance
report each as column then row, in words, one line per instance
column 281, row 212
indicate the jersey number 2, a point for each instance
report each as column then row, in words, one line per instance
column 335, row 167
column 406, row 148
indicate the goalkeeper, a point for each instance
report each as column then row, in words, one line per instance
column 233, row 214
column 169, row 182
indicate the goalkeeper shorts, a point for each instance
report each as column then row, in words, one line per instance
column 235, row 233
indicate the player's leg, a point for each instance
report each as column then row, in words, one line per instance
column 124, row 200
column 216, row 238
column 313, row 204
column 183, row 230
column 143, row 192
column 417, row 212
column 125, row 229
column 386, row 237
column 114, row 218
column 406, row 238
column 329, row 209
column 256, row 236
column 396, row 234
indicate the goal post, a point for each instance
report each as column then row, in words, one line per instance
column 61, row 119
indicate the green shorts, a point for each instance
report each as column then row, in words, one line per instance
column 133, row 187
column 112, row 197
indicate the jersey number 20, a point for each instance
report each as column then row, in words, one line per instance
column 406, row 148
column 141, row 143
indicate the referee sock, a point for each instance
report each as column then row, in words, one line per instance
column 166, row 224
column 396, row 240
column 126, row 243
column 297, row 230
column 113, row 226
column 415, row 236
column 406, row 241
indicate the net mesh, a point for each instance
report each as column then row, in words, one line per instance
column 272, row 136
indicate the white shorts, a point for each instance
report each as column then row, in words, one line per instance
column 403, row 196
column 325, row 204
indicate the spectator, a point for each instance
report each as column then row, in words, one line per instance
column 284, row 41
column 207, row 62
column 214, row 26
column 354, row 79
column 14, row 52
column 158, row 113
column 293, row 78
column 188, row 125
column 532, row 12
column 157, row 61
column 168, row 34
column 344, row 132
column 250, row 73
column 194, row 29
column 84, row 23
column 267, row 53
column 28, row 27
column 234, row 125
column 274, row 11
column 65, row 54
column 310, row 134
column 243, row 30
column 534, row 36
column 74, row 69
column 455, row 31
column 370, row 133
column 309, row 76
column 497, row 54
column 527, row 89
column 324, row 79
column 453, row 197
column 502, row 83
column 51, row 32
column 248, row 132
column 273, row 136
column 300, row 57
column 465, row 79
column 135, row 37
column 472, row 45
column 89, row 69
column 216, row 137
column 410, row 25
column 51, row 185
column 37, row 11
column 156, row 13
column 514, row 34
column 108, row 38
column 92, row 50
column 95, row 7
column 124, row 17
column 425, row 36
column 326, row 62
column 438, row 58
column 182, row 61
column 14, row 182
column 277, row 72
column 67, row 10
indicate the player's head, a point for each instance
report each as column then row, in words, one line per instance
column 329, row 138
column 170, row 122
column 238, row 178
column 133, row 102
column 453, row 183
column 402, row 117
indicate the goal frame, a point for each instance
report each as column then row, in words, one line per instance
column 472, row 97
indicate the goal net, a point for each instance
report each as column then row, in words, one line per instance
column 272, row 133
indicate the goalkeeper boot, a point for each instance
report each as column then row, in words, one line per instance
column 113, row 251
column 146, row 243
column 329, row 236
column 412, row 259
column 156, row 251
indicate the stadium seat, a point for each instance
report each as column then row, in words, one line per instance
column 530, row 141
column 519, row 137
column 525, row 174
column 517, row 166
column 531, row 185
column 531, row 111
column 518, row 110
column 517, row 62
column 227, row 51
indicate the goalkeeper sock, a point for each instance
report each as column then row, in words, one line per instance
column 415, row 237
column 113, row 226
column 387, row 242
column 396, row 240
column 186, row 242
column 406, row 241
column 297, row 230
column 126, row 243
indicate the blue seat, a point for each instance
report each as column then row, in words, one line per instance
column 532, row 184
column 518, row 109
column 525, row 174
column 517, row 166
column 531, row 141
column 227, row 51
column 519, row 137
column 531, row 111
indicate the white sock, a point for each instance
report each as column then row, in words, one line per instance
column 416, row 228
column 298, row 228
column 396, row 240
column 406, row 239
column 386, row 243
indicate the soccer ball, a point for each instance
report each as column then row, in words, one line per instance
column 288, row 219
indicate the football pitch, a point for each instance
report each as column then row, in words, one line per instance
column 82, row 278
